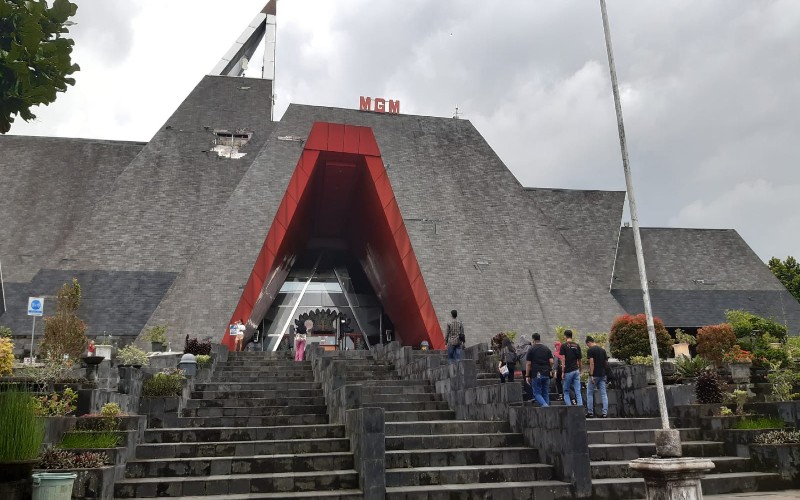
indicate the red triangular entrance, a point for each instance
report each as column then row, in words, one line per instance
column 346, row 161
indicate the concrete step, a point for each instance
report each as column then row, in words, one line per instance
column 713, row 484
column 404, row 406
column 258, row 377
column 368, row 389
column 424, row 476
column 216, row 434
column 620, row 468
column 370, row 382
column 256, row 411
column 446, row 427
column 253, row 394
column 327, row 495
column 456, row 457
column 285, row 387
column 236, row 484
column 242, row 422
column 448, row 441
column 394, row 398
column 517, row 490
column 606, row 452
column 638, row 436
column 276, row 401
column 613, row 424
column 250, row 464
column 419, row 416
column 244, row 366
column 238, row 448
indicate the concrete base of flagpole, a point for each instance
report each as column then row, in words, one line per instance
column 672, row 478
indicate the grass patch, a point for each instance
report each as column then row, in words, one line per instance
column 759, row 423
column 21, row 433
column 90, row 440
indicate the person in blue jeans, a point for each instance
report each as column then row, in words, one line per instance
column 455, row 337
column 539, row 365
column 571, row 368
column 598, row 361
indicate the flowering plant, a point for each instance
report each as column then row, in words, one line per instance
column 737, row 355
column 55, row 404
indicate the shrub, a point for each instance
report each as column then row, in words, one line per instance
column 684, row 338
column 793, row 346
column 84, row 439
column 63, row 459
column 55, row 404
column 6, row 332
column 51, row 371
column 708, row 388
column 111, row 410
column 759, row 423
column 778, row 437
column 767, row 356
column 65, row 333
column 642, row 360
column 739, row 398
column 21, row 433
column 690, row 367
column 156, row 334
column 737, row 355
column 132, row 355
column 724, row 411
column 165, row 383
column 783, row 382
column 629, row 337
column 714, row 340
column 203, row 360
column 194, row 346
column 6, row 356
column 744, row 324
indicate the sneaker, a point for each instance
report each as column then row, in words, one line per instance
column 590, row 415
column 604, row 415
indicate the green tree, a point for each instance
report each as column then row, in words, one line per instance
column 35, row 60
column 788, row 273
column 65, row 333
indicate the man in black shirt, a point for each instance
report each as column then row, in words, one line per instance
column 598, row 360
column 539, row 365
column 572, row 368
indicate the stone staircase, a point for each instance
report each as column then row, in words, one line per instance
column 431, row 455
column 258, row 429
column 614, row 442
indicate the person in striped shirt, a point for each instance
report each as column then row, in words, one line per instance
column 455, row 337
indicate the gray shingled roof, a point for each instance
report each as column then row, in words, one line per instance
column 589, row 221
column 47, row 186
column 696, row 274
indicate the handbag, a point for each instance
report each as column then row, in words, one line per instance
column 504, row 370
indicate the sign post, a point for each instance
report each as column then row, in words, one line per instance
column 35, row 308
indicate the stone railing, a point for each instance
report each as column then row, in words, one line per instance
column 559, row 435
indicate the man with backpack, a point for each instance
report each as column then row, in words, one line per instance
column 539, row 370
column 572, row 368
column 598, row 362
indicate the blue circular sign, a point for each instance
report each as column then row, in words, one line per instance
column 36, row 305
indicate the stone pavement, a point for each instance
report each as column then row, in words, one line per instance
column 767, row 495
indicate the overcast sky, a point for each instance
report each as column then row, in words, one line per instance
column 710, row 89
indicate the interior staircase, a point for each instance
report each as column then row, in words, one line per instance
column 259, row 429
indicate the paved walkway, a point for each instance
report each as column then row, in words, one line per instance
column 768, row 495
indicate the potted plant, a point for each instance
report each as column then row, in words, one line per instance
column 778, row 452
column 690, row 368
column 103, row 346
column 130, row 355
column 682, row 342
column 157, row 335
column 738, row 362
column 21, row 437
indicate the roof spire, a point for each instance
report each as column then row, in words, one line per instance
column 262, row 27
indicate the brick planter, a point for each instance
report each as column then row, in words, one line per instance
column 738, row 441
column 783, row 459
column 91, row 483
column 161, row 412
